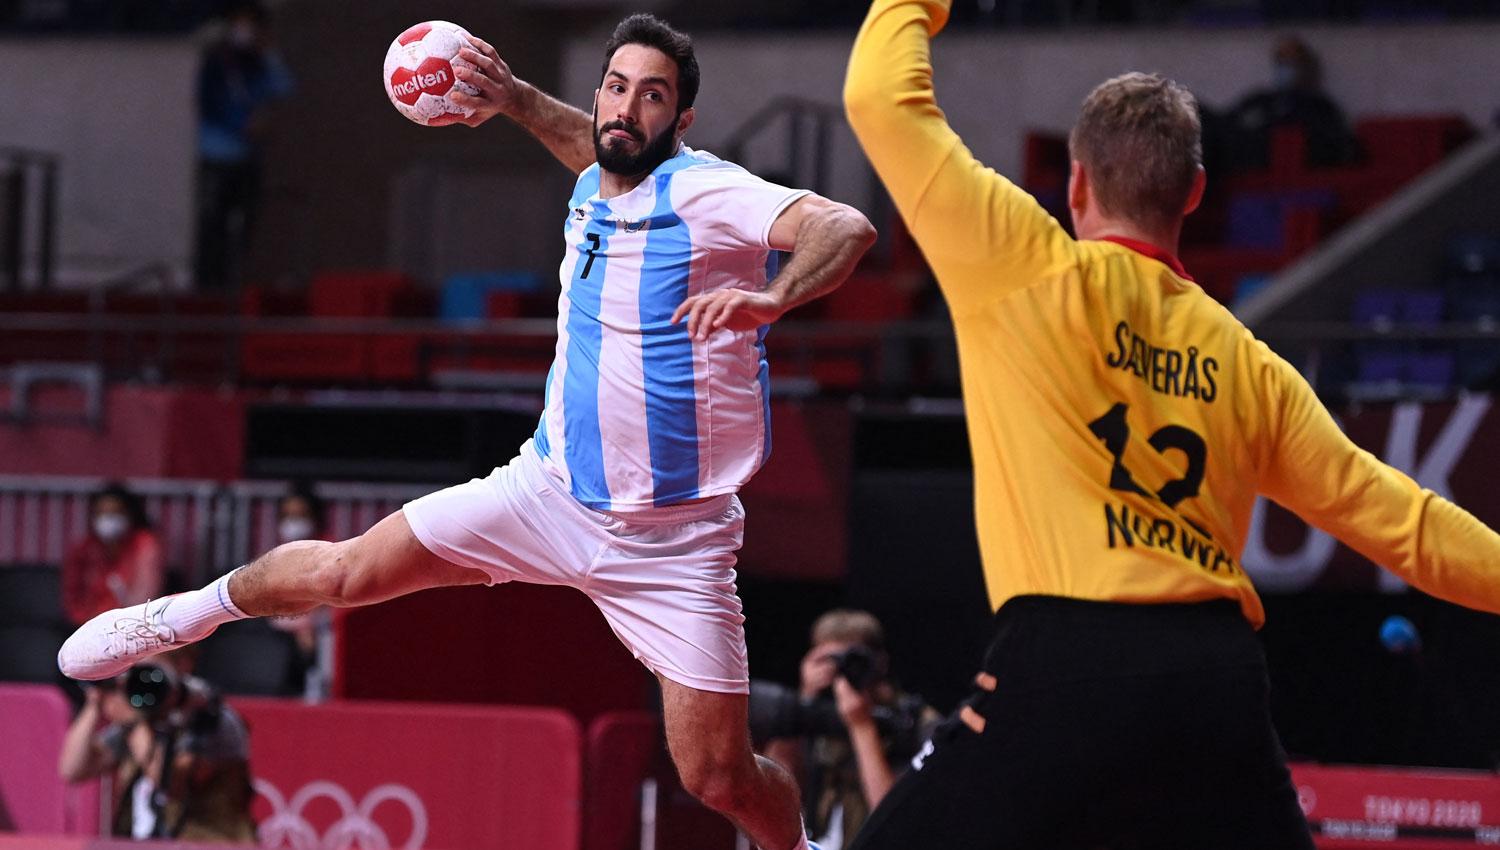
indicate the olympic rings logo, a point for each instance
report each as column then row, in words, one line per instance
column 354, row 830
column 1307, row 798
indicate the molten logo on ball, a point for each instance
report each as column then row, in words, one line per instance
column 419, row 72
column 433, row 77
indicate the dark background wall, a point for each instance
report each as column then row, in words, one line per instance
column 337, row 146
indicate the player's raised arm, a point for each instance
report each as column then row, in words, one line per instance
column 979, row 231
column 1379, row 511
column 889, row 98
column 565, row 130
column 826, row 239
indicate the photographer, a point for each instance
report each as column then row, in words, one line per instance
column 848, row 732
column 179, row 756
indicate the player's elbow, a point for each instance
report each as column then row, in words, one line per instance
column 867, row 94
column 861, row 231
column 853, row 226
column 862, row 102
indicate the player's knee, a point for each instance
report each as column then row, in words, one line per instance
column 720, row 784
column 338, row 577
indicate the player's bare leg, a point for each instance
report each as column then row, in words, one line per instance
column 708, row 735
column 385, row 562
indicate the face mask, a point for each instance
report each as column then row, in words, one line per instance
column 1284, row 76
column 110, row 527
column 294, row 528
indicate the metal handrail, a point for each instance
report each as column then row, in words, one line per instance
column 938, row 329
column 796, row 342
column 799, row 344
column 44, row 321
column 1318, row 331
column 158, row 273
column 40, row 321
column 28, row 155
column 206, row 526
column 824, row 115
column 17, row 162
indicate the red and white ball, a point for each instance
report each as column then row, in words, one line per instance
column 419, row 72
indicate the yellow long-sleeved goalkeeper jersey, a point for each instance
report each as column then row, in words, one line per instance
column 1121, row 421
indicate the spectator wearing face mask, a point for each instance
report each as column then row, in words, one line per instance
column 301, row 515
column 118, row 563
column 1296, row 98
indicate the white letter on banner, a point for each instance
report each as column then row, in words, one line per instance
column 1295, row 570
column 1446, row 451
column 1290, row 572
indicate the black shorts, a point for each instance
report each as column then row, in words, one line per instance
column 1127, row 727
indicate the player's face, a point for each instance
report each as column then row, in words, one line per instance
column 636, row 124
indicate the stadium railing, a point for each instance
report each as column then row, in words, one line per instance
column 1330, row 352
column 206, row 527
column 837, row 356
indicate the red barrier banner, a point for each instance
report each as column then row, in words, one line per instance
column 1410, row 808
column 407, row 776
column 621, row 749
column 33, row 798
column 626, row 750
column 44, row 842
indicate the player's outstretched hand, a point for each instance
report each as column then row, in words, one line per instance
column 499, row 90
column 735, row 309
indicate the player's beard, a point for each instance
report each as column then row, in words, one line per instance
column 653, row 152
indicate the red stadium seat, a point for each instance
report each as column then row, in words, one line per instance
column 356, row 293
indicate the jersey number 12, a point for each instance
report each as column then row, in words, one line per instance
column 1115, row 432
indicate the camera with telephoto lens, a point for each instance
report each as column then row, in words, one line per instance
column 151, row 690
column 777, row 711
column 858, row 665
column 168, row 700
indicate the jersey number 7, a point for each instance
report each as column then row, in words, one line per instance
column 589, row 266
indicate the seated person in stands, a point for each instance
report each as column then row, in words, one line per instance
column 118, row 563
column 1295, row 99
column 178, row 754
column 853, row 733
column 301, row 515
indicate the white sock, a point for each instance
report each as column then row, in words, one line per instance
column 194, row 614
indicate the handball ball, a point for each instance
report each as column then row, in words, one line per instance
column 419, row 72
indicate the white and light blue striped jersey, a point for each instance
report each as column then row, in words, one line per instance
column 638, row 414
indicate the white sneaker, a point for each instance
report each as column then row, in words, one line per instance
column 108, row 644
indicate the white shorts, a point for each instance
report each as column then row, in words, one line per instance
column 663, row 578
